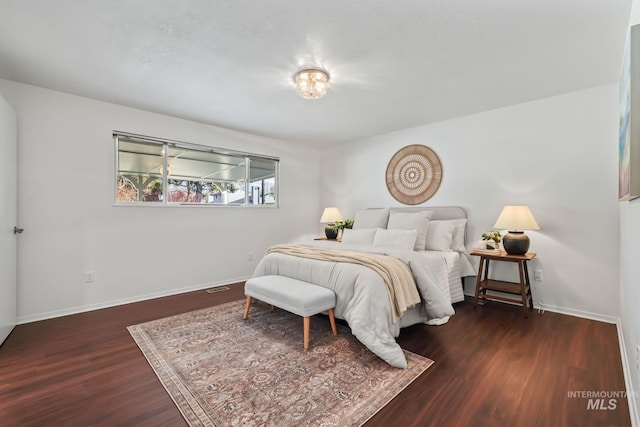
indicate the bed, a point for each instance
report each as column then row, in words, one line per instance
column 429, row 240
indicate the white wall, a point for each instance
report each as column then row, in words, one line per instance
column 66, row 162
column 8, row 219
column 630, row 276
column 630, row 287
column 557, row 155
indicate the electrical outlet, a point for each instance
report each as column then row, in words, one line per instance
column 638, row 359
column 537, row 275
column 250, row 258
column 89, row 277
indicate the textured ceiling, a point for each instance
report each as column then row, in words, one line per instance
column 393, row 64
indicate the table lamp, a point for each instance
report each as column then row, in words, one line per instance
column 515, row 219
column 330, row 216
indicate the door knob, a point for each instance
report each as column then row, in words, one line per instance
column 17, row 230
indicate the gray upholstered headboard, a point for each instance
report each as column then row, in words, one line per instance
column 439, row 212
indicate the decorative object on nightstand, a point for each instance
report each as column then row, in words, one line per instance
column 493, row 239
column 515, row 219
column 339, row 226
column 330, row 216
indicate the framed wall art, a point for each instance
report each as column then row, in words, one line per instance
column 629, row 134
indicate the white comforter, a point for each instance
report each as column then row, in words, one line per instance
column 361, row 294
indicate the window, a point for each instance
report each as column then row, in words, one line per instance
column 153, row 171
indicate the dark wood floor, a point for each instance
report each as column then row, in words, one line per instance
column 492, row 367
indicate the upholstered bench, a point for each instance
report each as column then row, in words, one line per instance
column 295, row 296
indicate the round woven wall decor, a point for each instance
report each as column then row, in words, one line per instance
column 414, row 174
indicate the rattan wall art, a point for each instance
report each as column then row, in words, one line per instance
column 414, row 174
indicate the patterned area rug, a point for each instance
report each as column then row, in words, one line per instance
column 221, row 370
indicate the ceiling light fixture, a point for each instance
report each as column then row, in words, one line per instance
column 312, row 83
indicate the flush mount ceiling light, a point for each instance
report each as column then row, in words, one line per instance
column 312, row 83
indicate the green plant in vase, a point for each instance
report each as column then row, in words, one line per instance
column 494, row 236
column 341, row 225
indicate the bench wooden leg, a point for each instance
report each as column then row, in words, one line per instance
column 306, row 333
column 246, row 308
column 332, row 319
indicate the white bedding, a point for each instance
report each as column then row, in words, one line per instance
column 458, row 266
column 362, row 296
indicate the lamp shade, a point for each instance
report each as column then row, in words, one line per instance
column 331, row 214
column 516, row 218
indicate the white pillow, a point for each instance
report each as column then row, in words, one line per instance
column 457, row 242
column 457, row 235
column 364, row 236
column 402, row 239
column 439, row 236
column 371, row 218
column 411, row 221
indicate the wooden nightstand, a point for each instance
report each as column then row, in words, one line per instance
column 338, row 240
column 484, row 284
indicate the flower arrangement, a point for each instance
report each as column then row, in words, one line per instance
column 341, row 225
column 492, row 235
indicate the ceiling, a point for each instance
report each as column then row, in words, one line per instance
column 394, row 64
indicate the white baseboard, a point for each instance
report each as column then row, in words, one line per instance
column 626, row 368
column 576, row 313
column 84, row 308
column 568, row 311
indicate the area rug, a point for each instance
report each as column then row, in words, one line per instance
column 221, row 370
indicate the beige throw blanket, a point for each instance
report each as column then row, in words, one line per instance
column 401, row 286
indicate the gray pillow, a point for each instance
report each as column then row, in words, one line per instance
column 371, row 218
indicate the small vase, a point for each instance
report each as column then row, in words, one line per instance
column 496, row 246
